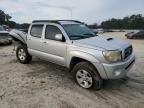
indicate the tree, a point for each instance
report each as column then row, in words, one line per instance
column 11, row 24
column 129, row 22
column 4, row 18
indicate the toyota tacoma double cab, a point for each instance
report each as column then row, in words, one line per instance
column 69, row 43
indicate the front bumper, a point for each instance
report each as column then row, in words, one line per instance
column 119, row 70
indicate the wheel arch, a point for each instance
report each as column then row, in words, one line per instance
column 76, row 57
column 76, row 60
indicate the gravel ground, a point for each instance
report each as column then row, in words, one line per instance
column 46, row 85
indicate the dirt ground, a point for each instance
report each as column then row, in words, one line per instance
column 46, row 85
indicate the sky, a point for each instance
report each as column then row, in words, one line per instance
column 89, row 11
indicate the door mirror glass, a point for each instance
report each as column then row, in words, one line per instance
column 59, row 37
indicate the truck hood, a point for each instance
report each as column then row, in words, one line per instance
column 102, row 42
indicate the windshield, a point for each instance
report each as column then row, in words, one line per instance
column 78, row 31
column 1, row 28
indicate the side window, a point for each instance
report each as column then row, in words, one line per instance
column 36, row 31
column 51, row 32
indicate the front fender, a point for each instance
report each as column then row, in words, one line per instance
column 90, row 58
column 82, row 55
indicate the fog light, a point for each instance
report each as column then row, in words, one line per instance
column 117, row 73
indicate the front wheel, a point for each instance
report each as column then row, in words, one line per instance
column 86, row 76
column 23, row 55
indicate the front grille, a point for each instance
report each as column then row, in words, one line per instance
column 127, row 52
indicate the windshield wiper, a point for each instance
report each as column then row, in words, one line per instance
column 79, row 36
column 90, row 34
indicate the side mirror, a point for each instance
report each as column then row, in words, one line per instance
column 59, row 37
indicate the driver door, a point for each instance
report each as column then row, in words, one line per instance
column 54, row 49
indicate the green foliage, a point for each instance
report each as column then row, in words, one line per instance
column 130, row 22
column 5, row 20
column 11, row 24
column 4, row 17
column 22, row 26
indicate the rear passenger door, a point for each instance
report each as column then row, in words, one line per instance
column 55, row 49
column 34, row 39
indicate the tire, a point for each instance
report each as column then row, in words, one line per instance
column 23, row 55
column 90, row 79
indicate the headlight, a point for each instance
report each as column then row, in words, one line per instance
column 112, row 56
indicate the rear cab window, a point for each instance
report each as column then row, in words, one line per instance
column 36, row 30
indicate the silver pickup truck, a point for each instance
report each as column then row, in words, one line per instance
column 90, row 58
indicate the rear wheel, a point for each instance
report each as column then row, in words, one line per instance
column 86, row 76
column 23, row 55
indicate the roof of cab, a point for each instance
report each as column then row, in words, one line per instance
column 61, row 22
